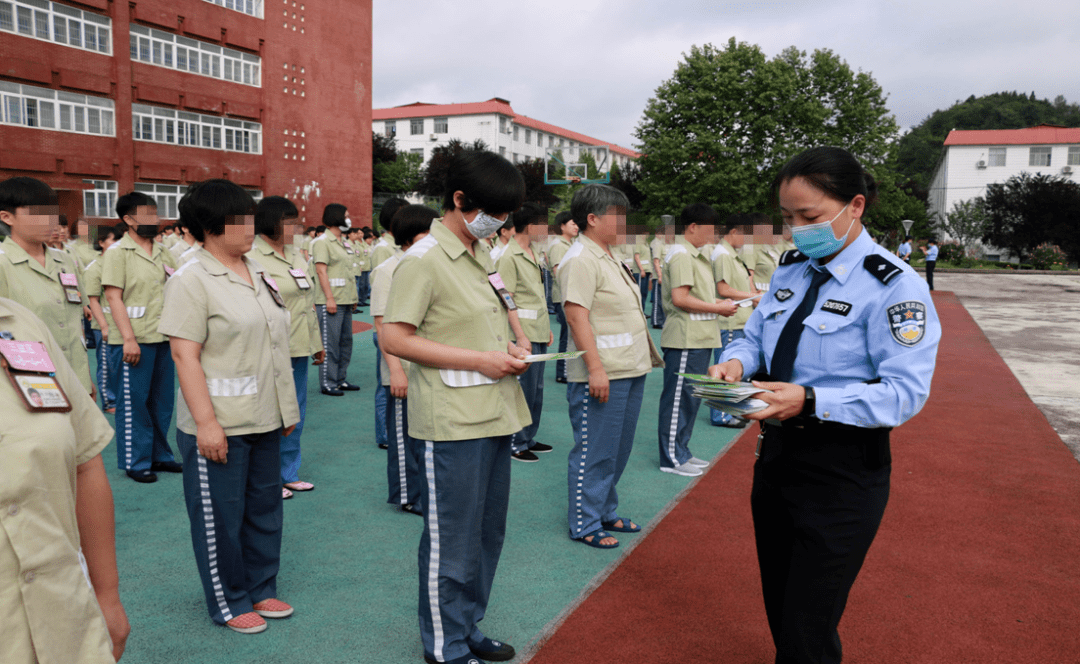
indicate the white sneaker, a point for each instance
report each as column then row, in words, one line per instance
column 700, row 463
column 686, row 470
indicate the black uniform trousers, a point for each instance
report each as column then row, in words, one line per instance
column 819, row 494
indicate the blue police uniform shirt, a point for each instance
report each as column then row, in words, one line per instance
column 904, row 249
column 931, row 253
column 862, row 328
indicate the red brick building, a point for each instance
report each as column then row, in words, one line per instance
column 102, row 96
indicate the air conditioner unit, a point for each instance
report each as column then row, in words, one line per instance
column 434, row 137
column 980, row 164
column 1067, row 170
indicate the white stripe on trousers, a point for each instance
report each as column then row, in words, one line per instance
column 584, row 454
column 675, row 408
column 126, row 387
column 324, row 368
column 103, row 362
column 211, row 538
column 433, row 553
column 399, row 429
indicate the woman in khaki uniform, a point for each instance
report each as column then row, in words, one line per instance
column 101, row 317
column 57, row 522
column 602, row 303
column 229, row 332
column 335, row 300
column 275, row 222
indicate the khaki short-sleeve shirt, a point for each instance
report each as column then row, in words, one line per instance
column 684, row 265
column 556, row 252
column 729, row 267
column 142, row 277
column 380, row 251
column 523, row 278
column 443, row 291
column 245, row 345
column 381, row 279
column 92, row 284
column 766, row 260
column 47, row 608
column 330, row 251
column 84, row 253
column 38, row 288
column 591, row 278
column 304, row 337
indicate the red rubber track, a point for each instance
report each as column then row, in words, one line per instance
column 976, row 559
column 358, row 327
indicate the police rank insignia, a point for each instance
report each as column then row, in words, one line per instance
column 783, row 295
column 907, row 320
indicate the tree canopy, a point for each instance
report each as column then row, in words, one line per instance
column 433, row 182
column 1028, row 210
column 917, row 151
column 722, row 126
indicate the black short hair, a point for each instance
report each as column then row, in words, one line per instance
column 737, row 222
column 508, row 225
column 309, row 229
column 25, row 192
column 320, row 229
column 701, row 214
column 117, row 232
column 596, row 199
column 489, row 182
column 130, row 204
column 530, row 213
column 334, row 215
column 562, row 218
column 269, row 214
column 386, row 214
column 410, row 221
column 366, row 230
column 209, row 206
column 834, row 171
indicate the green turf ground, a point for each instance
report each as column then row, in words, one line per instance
column 349, row 559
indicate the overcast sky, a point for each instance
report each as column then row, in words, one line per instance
column 591, row 66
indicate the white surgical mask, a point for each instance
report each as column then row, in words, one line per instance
column 483, row 225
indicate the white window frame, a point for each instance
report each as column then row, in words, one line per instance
column 42, row 108
column 164, row 125
column 416, row 127
column 163, row 49
column 167, row 197
column 1073, row 158
column 390, row 128
column 57, row 23
column 997, row 156
column 442, row 125
column 100, row 201
column 249, row 7
column 1035, row 153
column 417, row 151
column 528, row 137
column 517, row 133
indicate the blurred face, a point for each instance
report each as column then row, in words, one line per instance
column 290, row 227
column 145, row 215
column 237, row 237
column 736, row 239
column 82, row 228
column 107, row 241
column 570, row 229
column 537, row 232
column 33, row 224
column 700, row 235
column 608, row 228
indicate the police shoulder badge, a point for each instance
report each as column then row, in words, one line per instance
column 783, row 294
column 907, row 321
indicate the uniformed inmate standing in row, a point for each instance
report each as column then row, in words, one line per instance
column 334, row 301
column 850, row 335
column 568, row 232
column 465, row 403
column 378, row 253
column 101, row 317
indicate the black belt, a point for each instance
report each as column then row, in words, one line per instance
column 770, row 440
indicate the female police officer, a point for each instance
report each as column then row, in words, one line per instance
column 849, row 336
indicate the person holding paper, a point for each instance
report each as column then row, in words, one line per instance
column 849, row 336
column 734, row 281
column 602, row 303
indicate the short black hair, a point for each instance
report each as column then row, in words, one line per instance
column 701, row 214
column 334, row 215
column 530, row 213
column 367, row 232
column 309, row 229
column 320, row 229
column 386, row 214
column 209, row 206
column 562, row 218
column 410, row 221
column 117, row 232
column 737, row 222
column 270, row 212
column 596, row 199
column 834, row 171
column 489, row 182
column 130, row 203
column 25, row 192
column 508, row 225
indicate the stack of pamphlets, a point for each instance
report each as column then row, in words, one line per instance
column 732, row 398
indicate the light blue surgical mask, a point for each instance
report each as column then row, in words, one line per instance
column 818, row 240
column 483, row 225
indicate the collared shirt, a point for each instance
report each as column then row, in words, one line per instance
column 245, row 345
column 380, row 251
column 178, row 249
column 728, row 266
column 330, row 251
column 860, row 330
column 657, row 248
column 641, row 248
column 47, row 608
column 555, row 255
column 522, row 277
column 92, row 284
column 904, row 249
column 84, row 253
column 381, row 279
column 38, row 288
column 766, row 260
column 685, row 265
column 498, row 250
column 142, row 277
column 304, row 337
column 444, row 292
column 591, row 278
column 931, row 253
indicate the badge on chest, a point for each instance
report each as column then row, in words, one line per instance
column 301, row 279
column 784, row 295
column 70, row 283
column 31, row 370
column 500, row 289
column 271, row 285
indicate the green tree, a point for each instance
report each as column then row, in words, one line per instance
column 401, row 176
column 433, row 180
column 721, row 127
column 1028, row 210
column 966, row 222
column 917, row 151
column 626, row 180
column 532, row 171
column 383, row 149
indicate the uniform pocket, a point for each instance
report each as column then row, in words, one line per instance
column 836, row 340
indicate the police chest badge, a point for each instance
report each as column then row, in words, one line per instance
column 783, row 294
column 907, row 320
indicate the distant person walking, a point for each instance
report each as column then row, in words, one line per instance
column 931, row 261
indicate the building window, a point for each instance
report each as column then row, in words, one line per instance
column 31, row 106
column 502, row 151
column 167, row 197
column 390, row 129
column 442, row 126
column 551, row 141
column 52, row 21
column 539, row 140
column 249, row 7
column 416, row 127
column 175, row 52
column 164, row 125
column 1039, row 156
column 502, row 125
column 528, row 137
column 1074, row 155
column 516, row 133
column 100, row 201
column 997, row 156
column 418, row 152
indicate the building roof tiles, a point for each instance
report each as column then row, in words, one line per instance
column 1040, row 135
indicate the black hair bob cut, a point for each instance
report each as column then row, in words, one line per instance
column 489, row 182
column 529, row 214
column 209, row 206
column 835, row 171
column 25, row 192
column 269, row 214
column 562, row 218
column 387, row 212
column 701, row 214
column 334, row 215
column 131, row 202
column 410, row 221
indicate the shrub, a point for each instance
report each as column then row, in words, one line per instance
column 1046, row 256
column 951, row 252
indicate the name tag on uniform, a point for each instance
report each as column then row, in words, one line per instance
column 272, row 286
column 71, row 287
column 31, row 370
column 836, row 307
column 783, row 294
column 168, row 271
column 301, row 279
column 500, row 289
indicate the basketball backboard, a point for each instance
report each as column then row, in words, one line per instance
column 577, row 164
